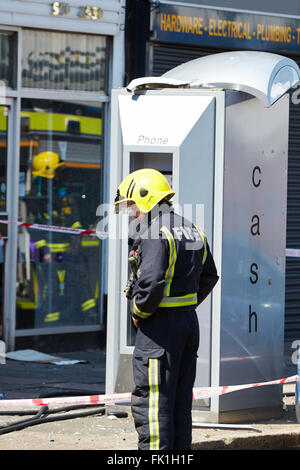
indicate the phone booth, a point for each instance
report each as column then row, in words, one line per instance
column 217, row 127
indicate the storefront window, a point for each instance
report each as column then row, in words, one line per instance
column 63, row 61
column 60, row 185
column 7, row 55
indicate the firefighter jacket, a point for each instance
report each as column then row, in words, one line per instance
column 175, row 265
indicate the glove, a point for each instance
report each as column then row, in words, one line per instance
column 129, row 288
column 133, row 264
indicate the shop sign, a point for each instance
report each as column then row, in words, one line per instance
column 88, row 11
column 225, row 29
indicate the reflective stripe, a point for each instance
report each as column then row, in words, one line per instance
column 61, row 274
column 40, row 243
column 57, row 247
column 97, row 290
column 189, row 299
column 167, row 301
column 54, row 247
column 138, row 312
column 203, row 237
column 52, row 317
column 172, row 260
column 88, row 304
column 90, row 242
column 153, row 404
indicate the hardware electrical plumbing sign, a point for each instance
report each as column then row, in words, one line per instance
column 226, row 29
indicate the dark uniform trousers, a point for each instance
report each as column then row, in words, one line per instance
column 176, row 273
column 164, row 365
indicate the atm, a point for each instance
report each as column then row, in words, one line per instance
column 217, row 127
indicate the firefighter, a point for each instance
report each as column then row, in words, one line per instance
column 176, row 272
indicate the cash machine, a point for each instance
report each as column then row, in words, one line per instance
column 217, row 127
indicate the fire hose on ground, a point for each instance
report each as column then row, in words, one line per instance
column 42, row 416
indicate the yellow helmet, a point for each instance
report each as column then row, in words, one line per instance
column 45, row 164
column 145, row 188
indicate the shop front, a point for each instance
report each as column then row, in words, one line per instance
column 58, row 63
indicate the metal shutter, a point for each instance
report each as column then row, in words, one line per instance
column 292, row 297
column 165, row 57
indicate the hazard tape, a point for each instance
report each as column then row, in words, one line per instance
column 198, row 392
column 210, row 392
column 56, row 228
column 290, row 252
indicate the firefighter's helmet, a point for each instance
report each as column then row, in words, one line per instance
column 45, row 164
column 145, row 188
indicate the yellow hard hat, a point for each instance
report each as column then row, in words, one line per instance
column 45, row 164
column 145, row 188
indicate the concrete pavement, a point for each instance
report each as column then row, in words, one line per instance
column 109, row 432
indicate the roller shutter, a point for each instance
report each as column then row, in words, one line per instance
column 292, row 302
column 165, row 57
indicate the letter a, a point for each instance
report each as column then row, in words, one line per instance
column 255, row 227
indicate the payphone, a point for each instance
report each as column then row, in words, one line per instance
column 217, row 127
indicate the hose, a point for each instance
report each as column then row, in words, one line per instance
column 32, row 412
column 38, row 418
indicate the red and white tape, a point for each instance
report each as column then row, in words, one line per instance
column 290, row 252
column 210, row 392
column 56, row 228
column 198, row 392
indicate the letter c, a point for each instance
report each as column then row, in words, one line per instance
column 256, row 183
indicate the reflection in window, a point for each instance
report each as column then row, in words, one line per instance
column 63, row 61
column 7, row 55
column 61, row 170
column 3, row 165
column 3, row 156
